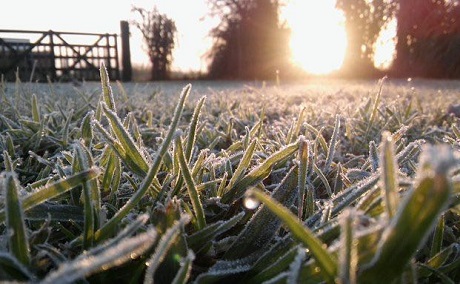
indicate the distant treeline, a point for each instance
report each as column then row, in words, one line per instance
column 252, row 43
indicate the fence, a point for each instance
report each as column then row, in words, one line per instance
column 61, row 56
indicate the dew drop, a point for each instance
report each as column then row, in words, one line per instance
column 251, row 203
column 133, row 255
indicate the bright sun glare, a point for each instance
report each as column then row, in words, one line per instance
column 318, row 38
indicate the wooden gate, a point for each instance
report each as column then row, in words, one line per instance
column 58, row 56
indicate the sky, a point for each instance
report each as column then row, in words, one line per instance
column 310, row 21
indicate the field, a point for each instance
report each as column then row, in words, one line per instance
column 322, row 181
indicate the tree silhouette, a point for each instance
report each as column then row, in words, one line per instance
column 158, row 32
column 364, row 20
column 249, row 42
column 428, row 39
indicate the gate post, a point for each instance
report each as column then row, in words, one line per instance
column 127, row 72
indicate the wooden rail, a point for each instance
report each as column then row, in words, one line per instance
column 57, row 56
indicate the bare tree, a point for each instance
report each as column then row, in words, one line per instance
column 158, row 32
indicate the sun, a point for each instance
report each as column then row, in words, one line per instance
column 318, row 38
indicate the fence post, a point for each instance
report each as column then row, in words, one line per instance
column 127, row 72
column 52, row 56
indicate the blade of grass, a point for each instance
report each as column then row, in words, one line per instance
column 324, row 259
column 243, row 165
column 332, row 144
column 438, row 237
column 403, row 236
column 87, row 129
column 304, row 156
column 183, row 274
column 165, row 243
column 389, row 175
column 191, row 186
column 134, row 157
column 191, row 137
column 15, row 269
column 375, row 107
column 35, row 109
column 259, row 173
column 107, row 94
column 262, row 227
column 348, row 256
column 18, row 242
column 91, row 206
column 111, row 225
column 296, row 265
column 202, row 237
column 97, row 260
column 323, row 179
column 54, row 189
column 296, row 129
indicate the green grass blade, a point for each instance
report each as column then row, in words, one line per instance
column 111, row 225
column 18, row 242
column 304, row 156
column 191, row 186
column 243, row 165
column 55, row 212
column 134, row 157
column 191, row 137
column 403, row 236
column 9, row 167
column 12, row 267
column 97, row 260
column 439, row 260
column 54, row 189
column 389, row 175
column 456, row 131
column 107, row 94
column 9, row 145
column 348, row 255
column 296, row 129
column 323, row 179
column 206, row 235
column 112, row 173
column 274, row 262
column 436, row 244
column 295, row 267
column 324, row 259
column 259, row 173
column 226, row 269
column 373, row 156
column 375, row 107
column 262, row 227
column 91, row 201
column 332, row 144
column 183, row 274
column 166, row 242
column 35, row 109
column 87, row 129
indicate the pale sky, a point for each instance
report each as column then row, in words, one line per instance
column 104, row 16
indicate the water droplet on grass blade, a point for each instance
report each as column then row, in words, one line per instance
column 251, row 203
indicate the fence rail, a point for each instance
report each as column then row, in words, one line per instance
column 59, row 56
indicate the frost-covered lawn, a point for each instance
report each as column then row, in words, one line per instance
column 218, row 182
